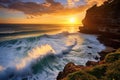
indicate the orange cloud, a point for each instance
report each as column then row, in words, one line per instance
column 50, row 6
column 98, row 2
column 71, row 3
column 47, row 12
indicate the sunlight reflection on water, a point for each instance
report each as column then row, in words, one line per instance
column 71, row 28
column 25, row 31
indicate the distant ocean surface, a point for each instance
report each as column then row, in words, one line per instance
column 40, row 52
column 15, row 31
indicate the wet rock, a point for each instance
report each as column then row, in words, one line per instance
column 96, row 58
column 90, row 53
column 89, row 47
column 105, row 52
column 69, row 68
column 110, row 41
column 91, row 63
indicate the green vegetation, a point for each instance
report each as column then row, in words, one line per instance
column 81, row 75
column 112, row 57
column 98, row 71
column 113, row 71
column 110, row 70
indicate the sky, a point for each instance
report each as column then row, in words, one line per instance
column 44, row 11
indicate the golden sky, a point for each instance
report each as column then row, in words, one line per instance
column 45, row 11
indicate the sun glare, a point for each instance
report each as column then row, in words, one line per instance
column 72, row 20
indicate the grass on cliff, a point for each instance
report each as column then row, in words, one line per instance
column 81, row 75
column 110, row 70
column 112, row 57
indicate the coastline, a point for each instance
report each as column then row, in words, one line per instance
column 110, row 40
column 111, row 47
column 103, row 21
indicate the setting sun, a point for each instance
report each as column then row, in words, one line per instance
column 72, row 20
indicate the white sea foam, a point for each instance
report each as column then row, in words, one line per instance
column 19, row 56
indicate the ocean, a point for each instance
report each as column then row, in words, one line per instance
column 40, row 52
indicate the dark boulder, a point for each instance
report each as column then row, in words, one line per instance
column 69, row 68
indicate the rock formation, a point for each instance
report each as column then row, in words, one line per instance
column 108, row 69
column 104, row 18
column 105, row 21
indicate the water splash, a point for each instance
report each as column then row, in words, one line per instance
column 34, row 54
column 45, row 54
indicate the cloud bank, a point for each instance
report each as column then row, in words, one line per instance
column 48, row 7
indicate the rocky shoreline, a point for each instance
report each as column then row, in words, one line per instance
column 112, row 43
column 103, row 21
column 71, row 68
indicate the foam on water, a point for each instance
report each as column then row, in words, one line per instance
column 41, row 58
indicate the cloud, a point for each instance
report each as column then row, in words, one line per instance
column 50, row 1
column 71, row 3
column 4, row 1
column 92, row 2
column 48, row 7
column 2, row 6
column 8, row 1
column 27, row 8
column 54, row 5
column 33, row 8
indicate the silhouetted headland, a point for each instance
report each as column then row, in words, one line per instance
column 104, row 21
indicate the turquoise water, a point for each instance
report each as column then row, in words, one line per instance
column 40, row 53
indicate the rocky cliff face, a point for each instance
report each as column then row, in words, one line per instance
column 104, row 18
column 108, row 69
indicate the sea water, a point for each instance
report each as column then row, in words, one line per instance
column 40, row 52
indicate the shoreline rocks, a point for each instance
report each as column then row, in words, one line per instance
column 69, row 68
column 96, row 70
column 103, row 21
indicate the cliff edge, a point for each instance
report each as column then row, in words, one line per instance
column 104, row 18
column 105, row 21
column 107, row 70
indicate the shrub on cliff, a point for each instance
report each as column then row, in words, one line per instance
column 113, row 71
column 118, row 50
column 110, row 70
column 98, row 71
column 112, row 57
column 80, row 75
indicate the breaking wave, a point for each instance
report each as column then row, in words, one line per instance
column 41, row 58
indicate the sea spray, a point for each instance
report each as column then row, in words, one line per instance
column 47, row 54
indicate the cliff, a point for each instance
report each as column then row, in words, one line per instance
column 108, row 69
column 105, row 21
column 104, row 18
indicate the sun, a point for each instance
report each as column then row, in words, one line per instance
column 72, row 20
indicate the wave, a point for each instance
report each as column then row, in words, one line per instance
column 43, row 57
